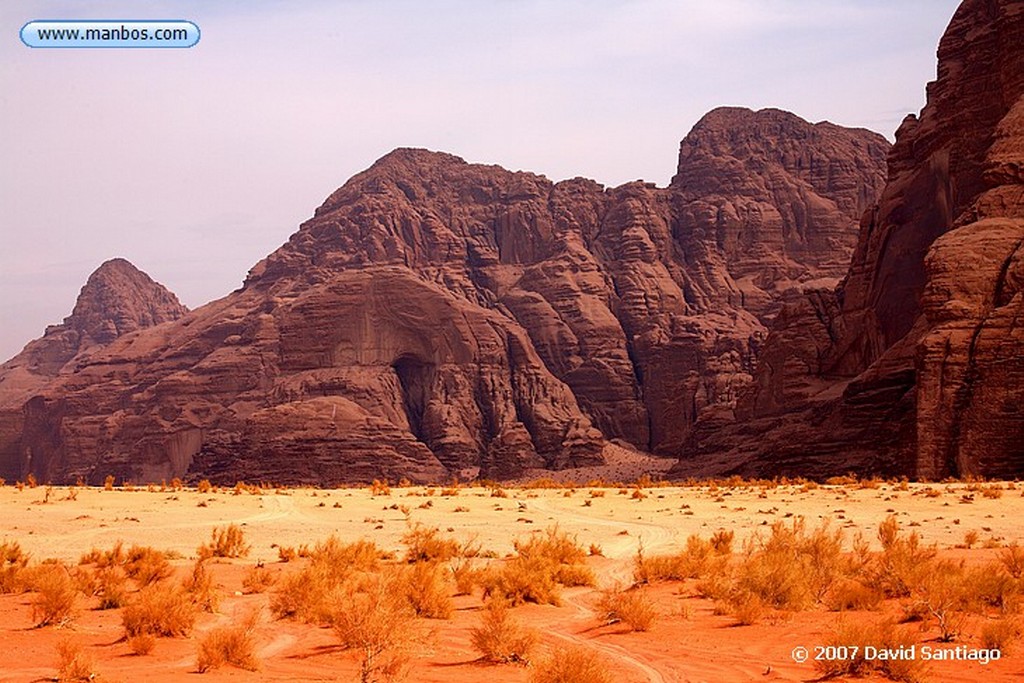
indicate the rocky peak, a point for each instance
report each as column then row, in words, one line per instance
column 119, row 298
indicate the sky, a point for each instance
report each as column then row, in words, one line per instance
column 194, row 164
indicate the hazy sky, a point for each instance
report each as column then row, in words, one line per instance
column 194, row 164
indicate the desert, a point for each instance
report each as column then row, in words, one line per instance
column 681, row 635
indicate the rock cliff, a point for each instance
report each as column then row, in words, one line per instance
column 117, row 299
column 913, row 365
column 436, row 318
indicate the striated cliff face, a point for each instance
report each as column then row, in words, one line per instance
column 436, row 318
column 117, row 299
column 914, row 364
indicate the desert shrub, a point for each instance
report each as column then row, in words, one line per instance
column 790, row 569
column 990, row 585
column 632, row 608
column 882, row 636
column 903, row 562
column 425, row 544
column 204, row 486
column 426, row 587
column 12, row 561
column 257, row 579
column 225, row 542
column 1012, row 558
column 693, row 562
column 146, row 565
column 380, row 488
column 945, row 595
column 747, row 608
column 306, row 594
column 200, row 588
column 500, row 638
column 375, row 619
column 159, row 609
column 573, row 664
column 55, row 596
column 1001, row 634
column 522, row 579
column 541, row 563
column 721, row 541
column 233, row 645
column 465, row 574
column 141, row 643
column 286, row 553
column 850, row 594
column 72, row 662
column 112, row 587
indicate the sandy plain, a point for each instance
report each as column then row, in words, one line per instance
column 688, row 642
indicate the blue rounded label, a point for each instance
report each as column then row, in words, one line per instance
column 66, row 33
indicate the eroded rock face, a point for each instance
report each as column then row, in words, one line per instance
column 436, row 318
column 913, row 366
column 117, row 299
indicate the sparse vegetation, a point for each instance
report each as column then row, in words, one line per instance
column 160, row 610
column 500, row 638
column 233, row 645
column 882, row 636
column 55, row 596
column 573, row 664
column 73, row 664
column 228, row 541
column 374, row 618
column 630, row 607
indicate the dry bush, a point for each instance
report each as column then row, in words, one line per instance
column 541, row 563
column 692, row 563
column 72, row 662
column 903, row 562
column 204, row 486
column 425, row 544
column 305, row 595
column 851, row 594
column 146, row 565
column 428, row 590
column 721, row 541
column 521, row 580
column 465, row 574
column 945, row 595
column 12, row 561
column 233, row 645
column 226, row 542
column 747, row 608
column 112, row 587
column 141, row 643
column 286, row 553
column 632, row 608
column 882, row 636
column 1001, row 634
column 573, row 664
column 200, row 587
column 160, row 610
column 791, row 569
column 258, row 579
column 374, row 618
column 380, row 488
column 990, row 585
column 1012, row 558
column 500, row 638
column 55, row 594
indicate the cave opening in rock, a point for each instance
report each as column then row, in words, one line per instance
column 416, row 377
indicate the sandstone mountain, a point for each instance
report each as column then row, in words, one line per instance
column 436, row 318
column 914, row 365
column 117, row 299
